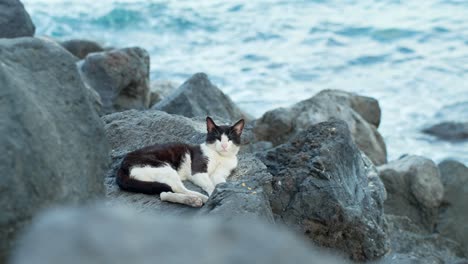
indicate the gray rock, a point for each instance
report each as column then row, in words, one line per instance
column 121, row 77
column 81, row 47
column 411, row 244
column 121, row 235
column 449, row 130
column 454, row 213
column 15, row 22
column 362, row 114
column 53, row 142
column 199, row 97
column 130, row 130
column 414, row 189
column 325, row 189
column 160, row 90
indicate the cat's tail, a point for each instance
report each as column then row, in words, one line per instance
column 125, row 182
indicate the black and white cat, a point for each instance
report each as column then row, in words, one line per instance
column 160, row 169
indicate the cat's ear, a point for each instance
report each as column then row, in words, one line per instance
column 210, row 124
column 238, row 127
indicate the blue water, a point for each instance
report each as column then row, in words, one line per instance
column 411, row 55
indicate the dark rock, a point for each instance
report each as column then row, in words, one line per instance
column 160, row 90
column 130, row 130
column 121, row 235
column 449, row 130
column 414, row 189
column 53, row 143
column 15, row 22
column 81, row 47
column 362, row 114
column 454, row 213
column 411, row 244
column 324, row 188
column 199, row 97
column 121, row 77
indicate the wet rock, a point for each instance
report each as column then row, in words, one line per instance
column 121, row 77
column 81, row 47
column 325, row 189
column 362, row 114
column 160, row 90
column 414, row 189
column 126, row 236
column 15, row 22
column 53, row 143
column 449, row 130
column 199, row 97
column 454, row 212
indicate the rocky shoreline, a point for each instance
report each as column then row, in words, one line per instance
column 313, row 182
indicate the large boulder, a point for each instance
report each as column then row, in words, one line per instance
column 121, row 77
column 199, row 97
column 414, row 189
column 362, row 114
column 81, row 47
column 449, row 130
column 454, row 212
column 54, row 147
column 122, row 236
column 130, row 130
column 324, row 188
column 14, row 20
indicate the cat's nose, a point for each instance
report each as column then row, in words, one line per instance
column 224, row 145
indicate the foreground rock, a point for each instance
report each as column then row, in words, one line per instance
column 199, row 97
column 14, row 20
column 362, row 114
column 449, row 130
column 121, row 77
column 414, row 189
column 130, row 130
column 454, row 212
column 128, row 237
column 81, row 47
column 53, row 143
column 323, row 189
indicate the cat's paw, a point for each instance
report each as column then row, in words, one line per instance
column 193, row 201
column 204, row 198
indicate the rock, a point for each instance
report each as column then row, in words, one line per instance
column 323, row 189
column 130, row 130
column 160, row 90
column 121, row 77
column 454, row 212
column 411, row 244
column 121, row 235
column 53, row 143
column 81, row 47
column 449, row 130
column 199, row 97
column 362, row 114
column 414, row 189
column 15, row 22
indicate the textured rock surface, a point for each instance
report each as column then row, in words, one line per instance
column 449, row 130
column 14, row 20
column 199, row 97
column 121, row 77
column 413, row 245
column 133, row 129
column 454, row 213
column 53, row 143
column 81, row 47
column 414, row 189
column 362, row 114
column 323, row 189
column 128, row 237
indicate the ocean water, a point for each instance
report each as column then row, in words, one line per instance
column 410, row 55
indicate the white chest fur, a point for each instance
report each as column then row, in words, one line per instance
column 219, row 165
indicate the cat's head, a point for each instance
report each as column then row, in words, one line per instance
column 224, row 139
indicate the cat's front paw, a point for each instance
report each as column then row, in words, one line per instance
column 194, row 201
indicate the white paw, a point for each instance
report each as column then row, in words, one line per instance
column 194, row 201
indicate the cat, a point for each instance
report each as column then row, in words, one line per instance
column 161, row 168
